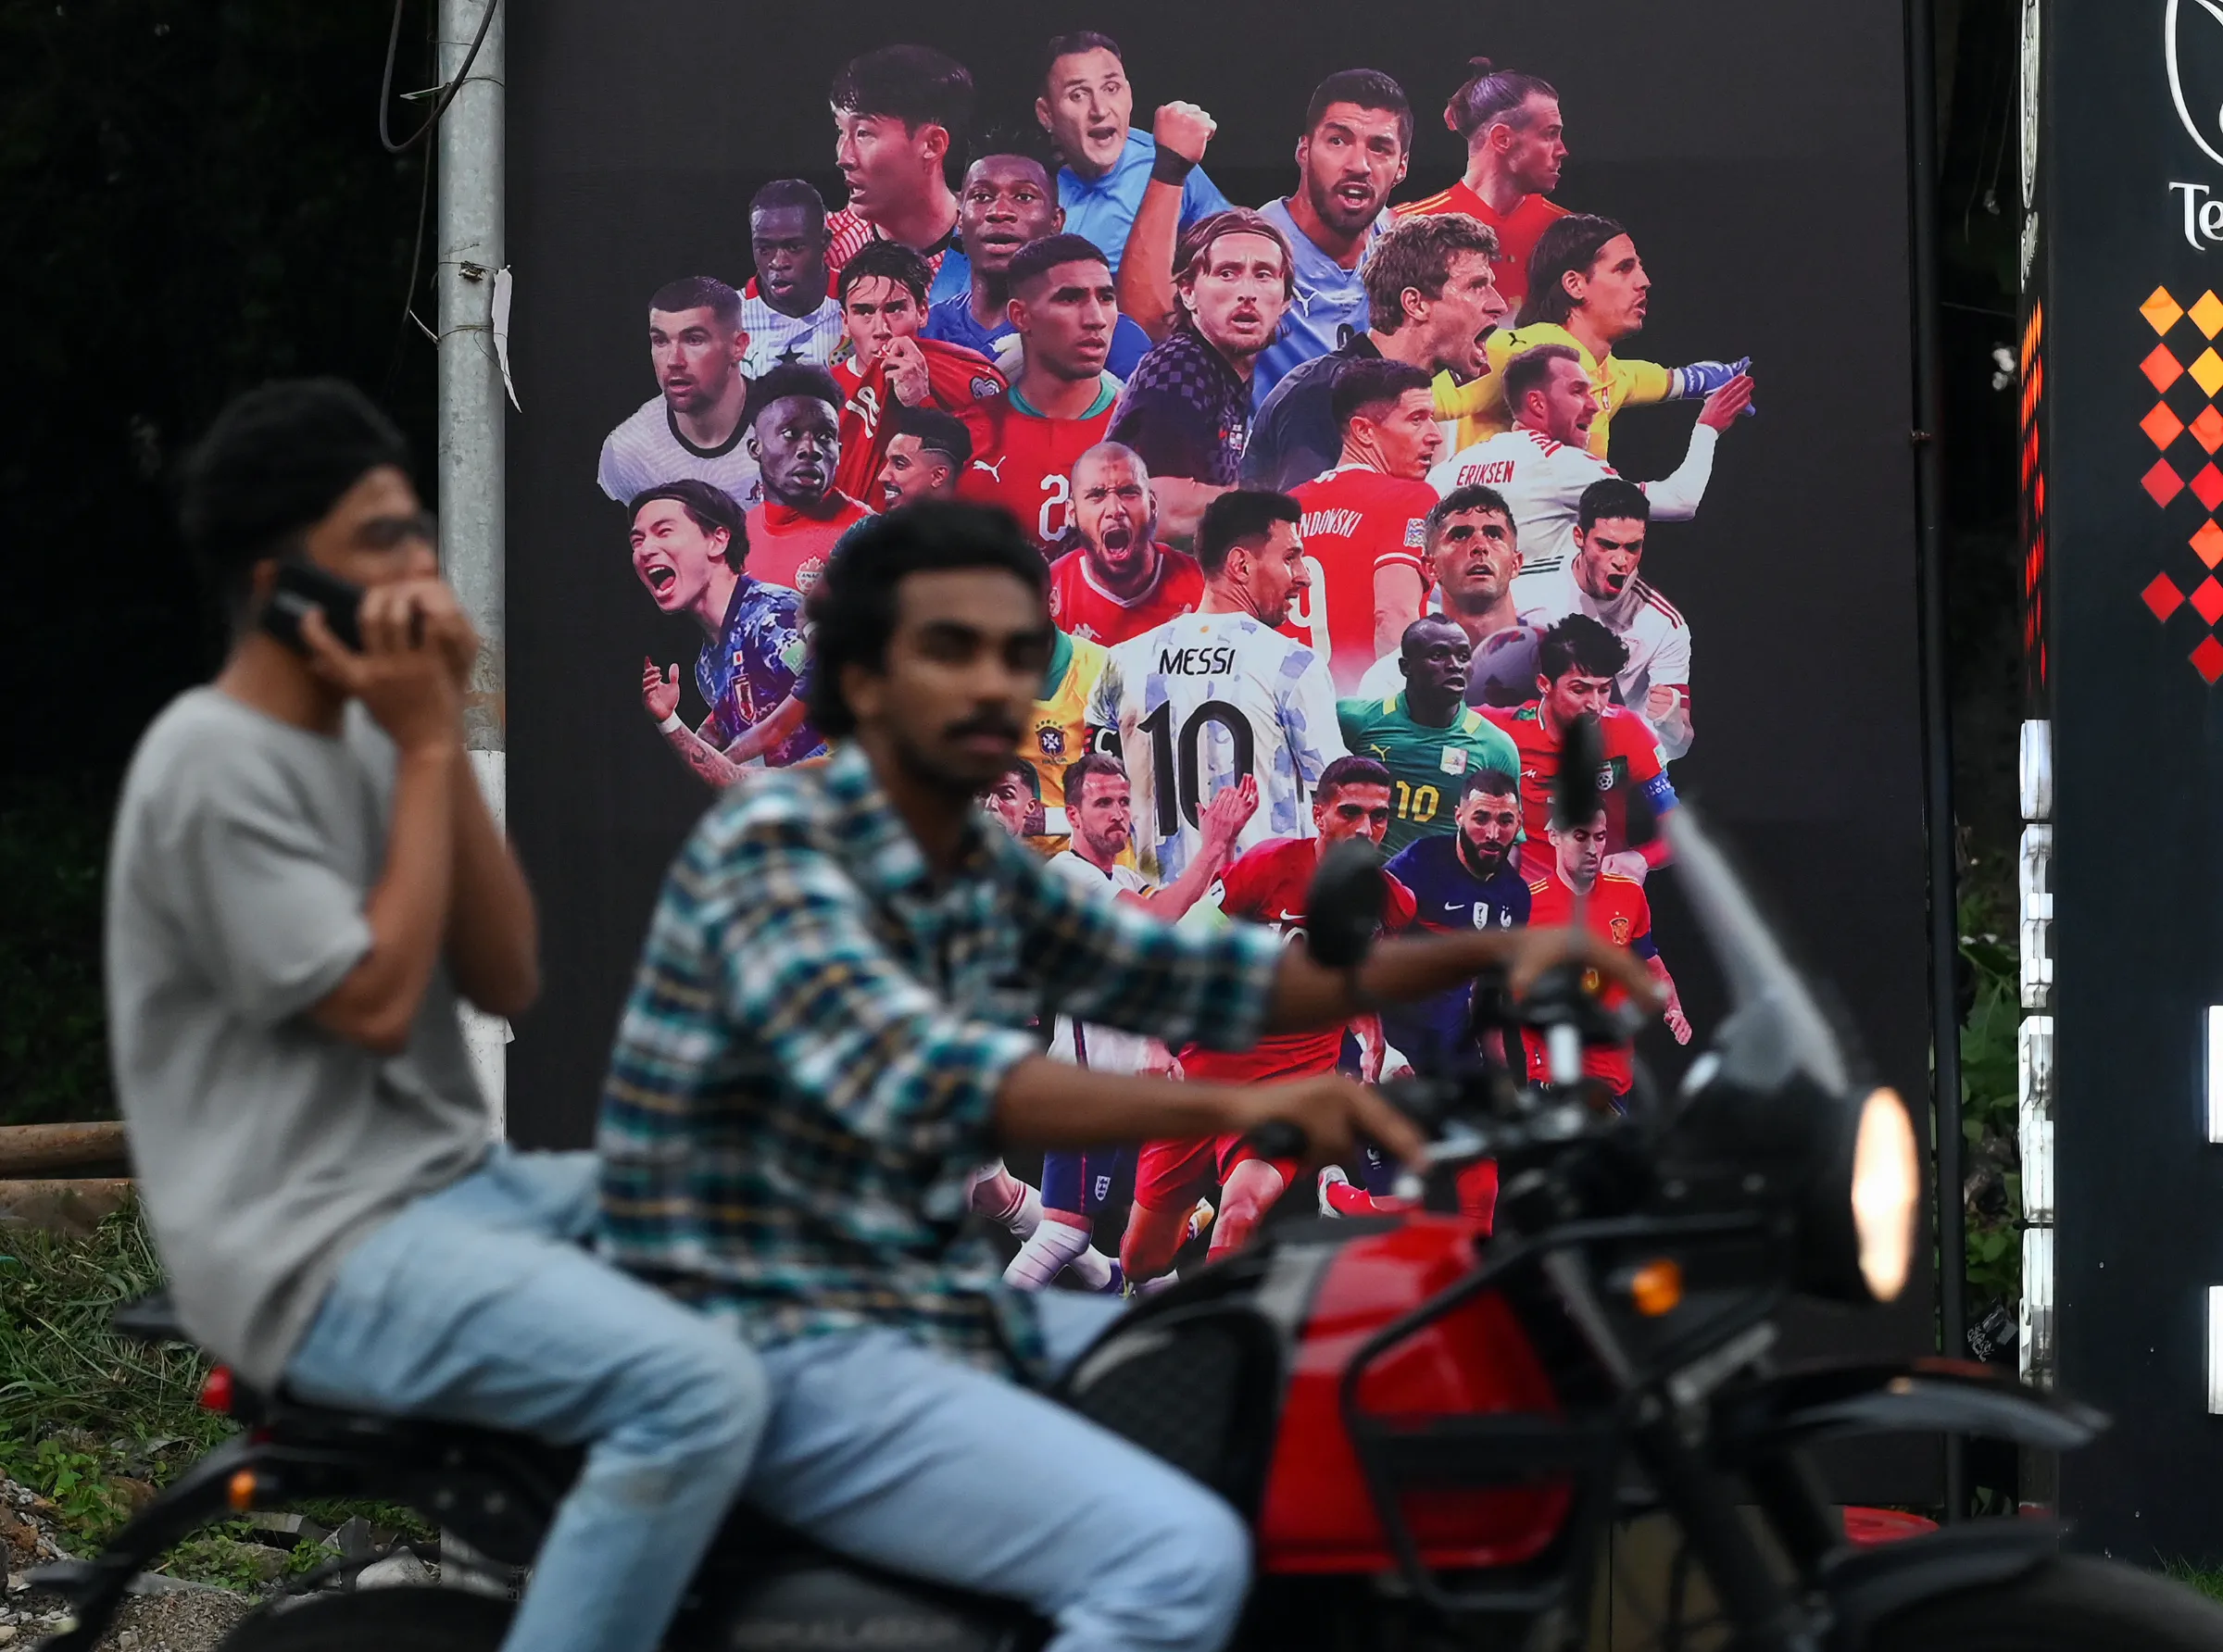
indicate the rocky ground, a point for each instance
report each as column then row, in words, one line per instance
column 164, row 1614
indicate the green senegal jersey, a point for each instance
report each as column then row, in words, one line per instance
column 1427, row 766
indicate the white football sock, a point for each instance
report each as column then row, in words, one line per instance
column 1045, row 1255
column 1092, row 1268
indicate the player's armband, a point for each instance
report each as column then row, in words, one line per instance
column 1659, row 791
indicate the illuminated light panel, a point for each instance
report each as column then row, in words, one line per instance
column 2214, row 1072
column 2207, row 487
column 2207, row 543
column 2207, row 601
column 2207, row 371
column 2207, row 659
column 2207, row 313
column 2163, row 482
column 2215, row 1348
column 2207, row 428
column 2163, row 427
column 2162, row 597
column 2160, row 310
column 2162, row 368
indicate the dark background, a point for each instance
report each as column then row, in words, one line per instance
column 2138, row 795
column 197, row 200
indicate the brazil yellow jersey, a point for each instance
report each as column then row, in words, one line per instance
column 1478, row 409
column 1057, row 735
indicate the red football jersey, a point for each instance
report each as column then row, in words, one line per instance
column 1270, row 884
column 1617, row 910
column 786, row 548
column 1024, row 463
column 1518, row 231
column 957, row 379
column 1355, row 521
column 1077, row 604
column 1632, row 759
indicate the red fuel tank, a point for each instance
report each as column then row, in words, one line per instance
column 1476, row 1361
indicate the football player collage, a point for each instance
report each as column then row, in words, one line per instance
column 1335, row 548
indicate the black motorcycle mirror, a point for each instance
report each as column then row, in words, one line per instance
column 1576, row 789
column 1344, row 906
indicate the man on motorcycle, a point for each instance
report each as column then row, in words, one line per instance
column 304, row 877
column 824, row 1038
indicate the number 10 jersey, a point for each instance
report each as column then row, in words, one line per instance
column 1198, row 703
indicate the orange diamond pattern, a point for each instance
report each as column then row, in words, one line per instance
column 2163, row 367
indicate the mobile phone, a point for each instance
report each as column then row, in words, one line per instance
column 302, row 586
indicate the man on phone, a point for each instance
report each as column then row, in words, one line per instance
column 304, row 879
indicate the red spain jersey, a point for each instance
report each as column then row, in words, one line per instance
column 1356, row 520
column 1618, row 911
column 1517, row 232
column 1270, row 884
column 785, row 548
column 1078, row 604
column 1632, row 762
column 956, row 378
column 1024, row 461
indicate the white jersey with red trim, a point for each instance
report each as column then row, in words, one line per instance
column 1198, row 703
column 1542, row 482
column 1657, row 637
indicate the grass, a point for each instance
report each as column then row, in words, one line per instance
column 95, row 1422
column 2207, row 1580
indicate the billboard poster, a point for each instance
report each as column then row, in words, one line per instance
column 1559, row 361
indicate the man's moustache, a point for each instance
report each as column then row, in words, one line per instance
column 1002, row 727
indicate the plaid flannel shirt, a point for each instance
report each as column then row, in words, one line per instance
column 806, row 1072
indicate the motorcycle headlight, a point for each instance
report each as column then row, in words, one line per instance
column 1887, row 1192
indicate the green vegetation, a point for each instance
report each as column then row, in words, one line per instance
column 97, row 1424
column 2207, row 1580
column 53, row 1049
column 1989, row 1123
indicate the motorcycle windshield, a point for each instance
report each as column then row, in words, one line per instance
column 1774, row 1028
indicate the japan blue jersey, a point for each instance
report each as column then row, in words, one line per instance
column 756, row 659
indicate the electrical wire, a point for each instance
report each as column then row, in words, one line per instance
column 448, row 92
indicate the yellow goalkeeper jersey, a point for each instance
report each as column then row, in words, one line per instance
column 1478, row 409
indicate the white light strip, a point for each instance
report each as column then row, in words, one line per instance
column 2214, row 1072
column 2215, row 1349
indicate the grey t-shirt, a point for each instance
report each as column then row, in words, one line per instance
column 265, row 1146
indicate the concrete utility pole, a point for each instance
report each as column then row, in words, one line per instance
column 469, row 253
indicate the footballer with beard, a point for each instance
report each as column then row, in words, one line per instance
column 1118, row 582
column 926, row 454
column 690, row 550
column 693, row 426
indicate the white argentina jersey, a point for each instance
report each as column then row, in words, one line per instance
column 1198, row 704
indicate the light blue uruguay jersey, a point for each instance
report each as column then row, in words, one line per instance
column 1198, row 704
column 1329, row 307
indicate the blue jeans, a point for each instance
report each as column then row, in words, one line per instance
column 477, row 1305
column 885, row 1451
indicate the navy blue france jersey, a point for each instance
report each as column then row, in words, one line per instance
column 1446, row 895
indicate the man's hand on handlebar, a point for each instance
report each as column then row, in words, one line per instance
column 1336, row 1114
column 1536, row 952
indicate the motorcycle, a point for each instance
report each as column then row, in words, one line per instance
column 1430, row 1420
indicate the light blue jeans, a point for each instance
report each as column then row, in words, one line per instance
column 888, row 1452
column 477, row 1305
